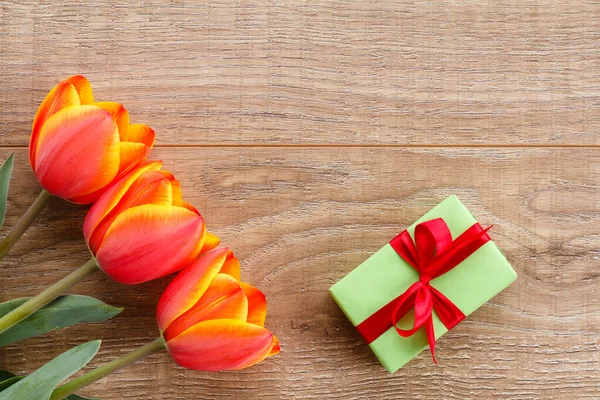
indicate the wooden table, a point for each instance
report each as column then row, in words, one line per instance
column 309, row 134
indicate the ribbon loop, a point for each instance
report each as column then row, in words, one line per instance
column 431, row 238
column 419, row 297
column 432, row 254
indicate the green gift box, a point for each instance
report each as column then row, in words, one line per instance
column 386, row 275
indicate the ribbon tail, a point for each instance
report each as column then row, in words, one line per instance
column 449, row 314
column 431, row 337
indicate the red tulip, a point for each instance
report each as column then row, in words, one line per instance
column 78, row 147
column 140, row 229
column 211, row 321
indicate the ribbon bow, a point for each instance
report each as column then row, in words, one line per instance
column 432, row 254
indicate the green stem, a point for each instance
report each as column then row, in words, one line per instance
column 108, row 368
column 45, row 297
column 23, row 223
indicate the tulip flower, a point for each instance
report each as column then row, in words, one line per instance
column 79, row 147
column 140, row 229
column 209, row 320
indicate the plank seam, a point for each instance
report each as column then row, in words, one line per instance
column 383, row 146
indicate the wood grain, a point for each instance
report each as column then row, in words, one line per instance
column 310, row 133
column 307, row 72
column 300, row 219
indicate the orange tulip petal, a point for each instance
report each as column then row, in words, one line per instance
column 167, row 175
column 188, row 286
column 123, row 170
column 222, row 344
column 177, row 196
column 210, row 242
column 61, row 96
column 120, row 116
column 276, row 347
column 231, row 265
column 82, row 140
column 190, row 207
column 257, row 304
column 112, row 196
column 140, row 133
column 149, row 188
column 224, row 299
column 131, row 154
column 150, row 241
column 83, row 87
column 89, row 198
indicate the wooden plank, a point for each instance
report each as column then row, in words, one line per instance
column 245, row 72
column 300, row 219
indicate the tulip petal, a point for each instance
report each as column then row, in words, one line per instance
column 177, row 195
column 61, row 96
column 276, row 348
column 119, row 115
column 190, row 207
column 167, row 175
column 231, row 265
column 82, row 140
column 223, row 344
column 150, row 241
column 149, row 188
column 112, row 196
column 224, row 299
column 188, row 286
column 257, row 305
column 83, row 87
column 89, row 198
column 140, row 133
column 210, row 242
column 132, row 154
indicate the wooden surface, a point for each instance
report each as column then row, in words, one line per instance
column 310, row 134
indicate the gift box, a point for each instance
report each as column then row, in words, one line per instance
column 414, row 289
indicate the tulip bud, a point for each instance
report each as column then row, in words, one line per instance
column 211, row 321
column 140, row 229
column 79, row 147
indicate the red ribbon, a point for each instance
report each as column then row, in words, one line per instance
column 432, row 254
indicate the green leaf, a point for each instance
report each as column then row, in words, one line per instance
column 9, row 382
column 12, row 379
column 64, row 311
column 40, row 384
column 4, row 375
column 5, row 172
